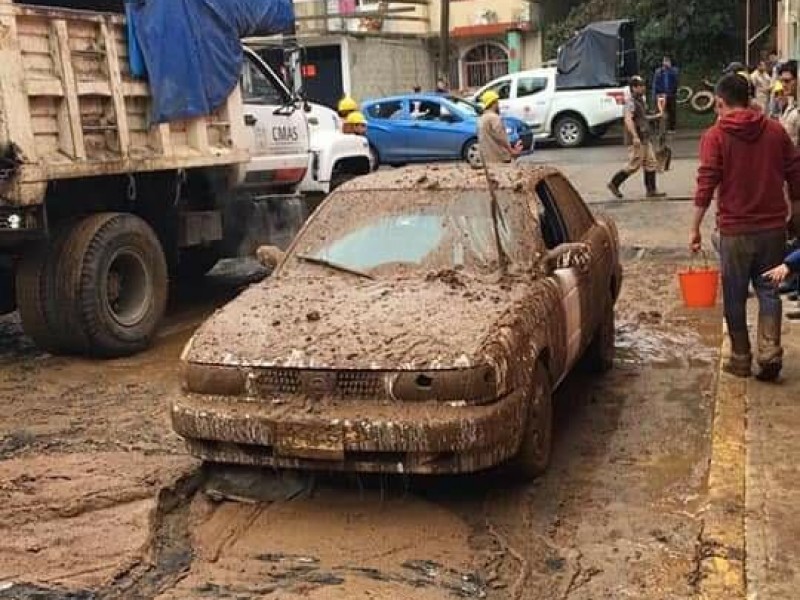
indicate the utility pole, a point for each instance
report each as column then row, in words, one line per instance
column 747, row 34
column 444, row 40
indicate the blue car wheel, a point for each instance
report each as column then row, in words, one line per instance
column 472, row 153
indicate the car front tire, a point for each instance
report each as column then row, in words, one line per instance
column 534, row 452
column 570, row 132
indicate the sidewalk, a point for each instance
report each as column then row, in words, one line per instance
column 772, row 479
column 751, row 538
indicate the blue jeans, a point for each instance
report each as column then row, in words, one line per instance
column 744, row 259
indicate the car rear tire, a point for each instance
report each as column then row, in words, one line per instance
column 112, row 285
column 472, row 154
column 570, row 131
column 600, row 354
column 339, row 178
column 374, row 158
column 534, row 452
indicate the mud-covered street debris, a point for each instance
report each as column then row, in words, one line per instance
column 279, row 557
column 463, row 585
column 252, row 485
column 450, row 277
column 313, row 316
column 15, row 441
column 24, row 591
column 324, row 578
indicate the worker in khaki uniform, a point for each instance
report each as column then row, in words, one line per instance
column 641, row 152
column 356, row 124
column 492, row 137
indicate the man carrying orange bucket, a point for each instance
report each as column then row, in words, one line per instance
column 747, row 158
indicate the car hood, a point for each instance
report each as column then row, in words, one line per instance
column 345, row 323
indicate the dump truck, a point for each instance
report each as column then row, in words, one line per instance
column 101, row 206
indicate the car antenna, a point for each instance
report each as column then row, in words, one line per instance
column 495, row 207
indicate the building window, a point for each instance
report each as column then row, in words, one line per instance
column 484, row 63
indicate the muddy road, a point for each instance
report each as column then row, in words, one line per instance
column 99, row 500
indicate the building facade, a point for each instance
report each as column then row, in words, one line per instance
column 370, row 48
column 788, row 33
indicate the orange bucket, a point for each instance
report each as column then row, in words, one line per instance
column 699, row 286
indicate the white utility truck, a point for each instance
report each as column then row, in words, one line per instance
column 567, row 116
column 99, row 208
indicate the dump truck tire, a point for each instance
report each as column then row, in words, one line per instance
column 36, row 294
column 113, row 285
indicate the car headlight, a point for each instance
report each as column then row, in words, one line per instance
column 214, row 380
column 477, row 385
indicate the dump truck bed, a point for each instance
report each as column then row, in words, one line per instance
column 69, row 103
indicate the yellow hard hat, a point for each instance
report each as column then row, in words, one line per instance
column 347, row 104
column 489, row 97
column 778, row 87
column 355, row 118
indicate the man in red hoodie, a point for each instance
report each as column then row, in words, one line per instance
column 747, row 157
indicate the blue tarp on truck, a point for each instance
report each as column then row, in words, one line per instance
column 192, row 52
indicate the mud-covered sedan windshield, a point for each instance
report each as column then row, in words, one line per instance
column 379, row 234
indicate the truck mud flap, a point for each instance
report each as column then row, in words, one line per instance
column 250, row 222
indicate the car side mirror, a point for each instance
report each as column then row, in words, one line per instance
column 569, row 256
column 270, row 256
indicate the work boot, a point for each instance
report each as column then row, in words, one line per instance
column 740, row 362
column 617, row 181
column 650, row 185
column 770, row 353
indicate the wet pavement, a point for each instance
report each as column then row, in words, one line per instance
column 590, row 168
column 100, row 500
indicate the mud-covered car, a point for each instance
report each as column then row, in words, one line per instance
column 413, row 326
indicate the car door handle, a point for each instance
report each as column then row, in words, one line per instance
column 250, row 120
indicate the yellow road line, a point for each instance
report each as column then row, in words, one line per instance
column 722, row 542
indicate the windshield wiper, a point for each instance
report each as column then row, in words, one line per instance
column 314, row 260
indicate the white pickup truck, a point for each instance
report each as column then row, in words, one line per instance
column 567, row 116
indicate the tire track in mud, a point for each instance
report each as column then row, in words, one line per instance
column 168, row 554
column 163, row 561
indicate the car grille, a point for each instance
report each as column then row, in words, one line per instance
column 307, row 381
column 359, row 383
column 278, row 381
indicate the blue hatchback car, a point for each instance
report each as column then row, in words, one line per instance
column 429, row 127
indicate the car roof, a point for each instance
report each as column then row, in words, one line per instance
column 456, row 176
column 420, row 96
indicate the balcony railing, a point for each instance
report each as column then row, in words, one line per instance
column 322, row 17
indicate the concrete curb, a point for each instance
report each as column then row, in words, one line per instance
column 721, row 550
